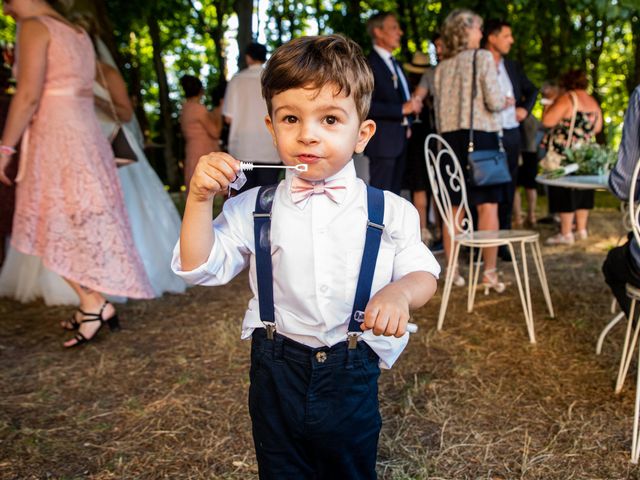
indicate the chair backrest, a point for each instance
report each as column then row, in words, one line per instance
column 634, row 211
column 445, row 173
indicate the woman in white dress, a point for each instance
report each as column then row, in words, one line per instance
column 153, row 216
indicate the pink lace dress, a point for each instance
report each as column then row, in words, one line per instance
column 69, row 205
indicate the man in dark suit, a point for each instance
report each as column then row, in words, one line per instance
column 515, row 84
column 391, row 104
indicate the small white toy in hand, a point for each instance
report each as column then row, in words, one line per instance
column 358, row 316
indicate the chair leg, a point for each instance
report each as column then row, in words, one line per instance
column 448, row 284
column 542, row 275
column 473, row 279
column 605, row 331
column 470, row 295
column 525, row 308
column 635, row 450
column 627, row 349
column 525, row 276
column 614, row 304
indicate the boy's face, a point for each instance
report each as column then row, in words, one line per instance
column 317, row 128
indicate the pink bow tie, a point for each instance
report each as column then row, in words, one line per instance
column 302, row 190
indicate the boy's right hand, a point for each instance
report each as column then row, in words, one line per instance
column 213, row 174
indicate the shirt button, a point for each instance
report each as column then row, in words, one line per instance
column 322, row 231
column 324, row 288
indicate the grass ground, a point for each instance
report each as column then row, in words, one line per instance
column 166, row 397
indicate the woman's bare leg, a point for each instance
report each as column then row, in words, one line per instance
column 582, row 218
column 488, row 220
column 420, row 202
column 532, row 200
column 90, row 302
column 566, row 223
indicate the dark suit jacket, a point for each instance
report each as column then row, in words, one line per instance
column 524, row 91
column 386, row 110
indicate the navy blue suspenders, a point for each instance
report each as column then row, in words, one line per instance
column 264, row 271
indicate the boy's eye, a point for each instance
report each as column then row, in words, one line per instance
column 331, row 120
column 290, row 119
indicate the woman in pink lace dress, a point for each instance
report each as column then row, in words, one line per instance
column 200, row 127
column 69, row 206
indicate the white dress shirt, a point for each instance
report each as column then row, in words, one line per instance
column 316, row 249
column 507, row 115
column 249, row 139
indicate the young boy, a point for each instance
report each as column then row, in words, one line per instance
column 314, row 361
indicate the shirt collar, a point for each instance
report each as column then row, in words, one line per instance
column 347, row 173
column 384, row 53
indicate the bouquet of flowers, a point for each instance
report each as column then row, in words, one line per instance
column 586, row 159
column 592, row 159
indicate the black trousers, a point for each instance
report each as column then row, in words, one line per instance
column 387, row 173
column 620, row 268
column 314, row 412
column 511, row 142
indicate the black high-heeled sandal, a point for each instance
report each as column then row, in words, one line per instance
column 72, row 324
column 113, row 322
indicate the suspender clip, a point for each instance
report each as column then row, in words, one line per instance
column 375, row 225
column 352, row 340
column 271, row 329
column 261, row 215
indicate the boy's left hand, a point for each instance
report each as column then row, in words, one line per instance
column 387, row 312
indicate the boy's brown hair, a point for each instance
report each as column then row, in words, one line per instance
column 313, row 62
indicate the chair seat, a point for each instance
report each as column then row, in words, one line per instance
column 502, row 237
column 632, row 291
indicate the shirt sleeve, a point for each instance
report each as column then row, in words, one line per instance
column 232, row 247
column 412, row 255
column 228, row 105
column 488, row 79
column 629, row 151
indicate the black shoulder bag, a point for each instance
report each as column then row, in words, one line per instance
column 485, row 167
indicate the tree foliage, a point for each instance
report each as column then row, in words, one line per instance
column 156, row 42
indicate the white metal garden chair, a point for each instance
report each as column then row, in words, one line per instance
column 460, row 227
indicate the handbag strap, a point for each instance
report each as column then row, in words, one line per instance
column 106, row 87
column 474, row 92
column 574, row 113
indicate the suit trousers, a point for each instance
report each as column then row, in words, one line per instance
column 619, row 268
column 387, row 173
column 314, row 411
column 511, row 142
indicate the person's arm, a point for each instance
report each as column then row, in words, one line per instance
column 211, row 121
column 33, row 39
column 212, row 176
column 525, row 104
column 117, row 90
column 629, row 151
column 387, row 312
column 494, row 99
column 559, row 109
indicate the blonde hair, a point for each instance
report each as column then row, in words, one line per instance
column 312, row 62
column 455, row 37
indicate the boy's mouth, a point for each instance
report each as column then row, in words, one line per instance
column 308, row 159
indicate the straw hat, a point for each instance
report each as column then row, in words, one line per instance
column 419, row 63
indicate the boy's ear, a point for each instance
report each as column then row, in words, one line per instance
column 367, row 129
column 269, row 124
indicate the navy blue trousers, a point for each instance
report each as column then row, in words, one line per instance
column 314, row 412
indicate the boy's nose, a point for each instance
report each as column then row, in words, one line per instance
column 307, row 135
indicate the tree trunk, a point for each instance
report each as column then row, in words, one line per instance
column 404, row 41
column 319, row 16
column 171, row 163
column 633, row 79
column 244, row 11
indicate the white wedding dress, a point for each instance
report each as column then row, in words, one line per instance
column 154, row 220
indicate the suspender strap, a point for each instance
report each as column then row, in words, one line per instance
column 375, row 205
column 264, row 273
column 264, row 269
